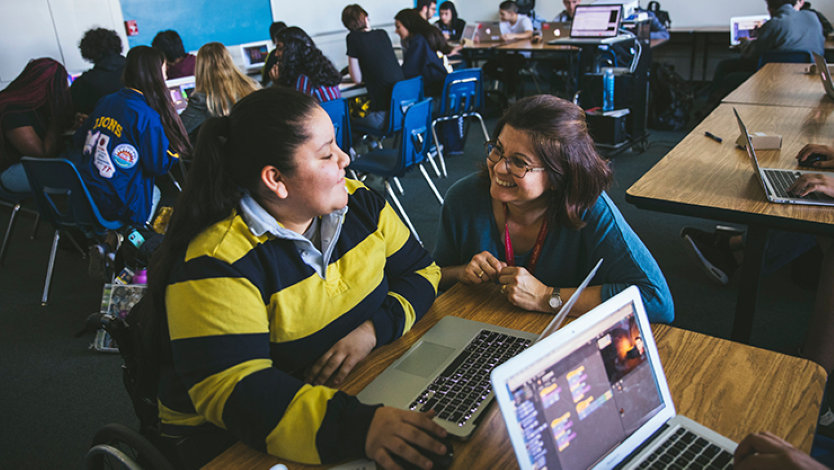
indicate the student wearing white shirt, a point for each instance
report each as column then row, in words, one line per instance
column 514, row 27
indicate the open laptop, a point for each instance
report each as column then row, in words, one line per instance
column 482, row 32
column 553, row 30
column 254, row 54
column 745, row 27
column 180, row 89
column 595, row 24
column 594, row 395
column 447, row 370
column 825, row 74
column 776, row 182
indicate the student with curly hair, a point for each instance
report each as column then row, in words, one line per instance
column 102, row 47
column 178, row 62
column 301, row 65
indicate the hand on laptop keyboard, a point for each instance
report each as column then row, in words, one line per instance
column 812, row 183
column 397, row 435
column 765, row 451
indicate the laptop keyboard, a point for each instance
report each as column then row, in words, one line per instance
column 684, row 449
column 781, row 180
column 460, row 390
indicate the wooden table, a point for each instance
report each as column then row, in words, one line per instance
column 703, row 178
column 779, row 84
column 733, row 388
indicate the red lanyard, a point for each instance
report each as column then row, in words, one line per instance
column 508, row 244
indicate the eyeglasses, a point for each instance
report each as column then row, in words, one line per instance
column 515, row 165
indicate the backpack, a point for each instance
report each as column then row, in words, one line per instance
column 670, row 98
column 662, row 15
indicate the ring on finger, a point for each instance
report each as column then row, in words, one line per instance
column 503, row 288
column 480, row 274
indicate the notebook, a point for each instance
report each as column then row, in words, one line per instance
column 595, row 24
column 555, row 30
column 482, row 32
column 776, row 182
column 180, row 89
column 745, row 27
column 447, row 370
column 825, row 74
column 254, row 54
column 593, row 395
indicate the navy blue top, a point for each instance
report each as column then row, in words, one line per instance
column 419, row 59
column 468, row 227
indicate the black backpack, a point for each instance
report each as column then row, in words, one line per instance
column 670, row 99
column 662, row 15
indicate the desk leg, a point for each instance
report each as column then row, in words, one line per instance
column 748, row 290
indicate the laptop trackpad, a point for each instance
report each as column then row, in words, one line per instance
column 423, row 360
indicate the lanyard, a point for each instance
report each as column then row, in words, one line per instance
column 508, row 244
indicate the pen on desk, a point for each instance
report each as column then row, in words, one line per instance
column 713, row 136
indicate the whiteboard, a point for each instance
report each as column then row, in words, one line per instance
column 320, row 17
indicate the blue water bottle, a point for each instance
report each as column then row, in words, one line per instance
column 608, row 90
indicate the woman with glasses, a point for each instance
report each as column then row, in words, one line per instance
column 538, row 219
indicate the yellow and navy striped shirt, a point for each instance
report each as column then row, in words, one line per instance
column 246, row 316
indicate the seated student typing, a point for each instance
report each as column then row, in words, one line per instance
column 514, row 26
column 538, row 218
column 301, row 65
column 278, row 276
column 449, row 24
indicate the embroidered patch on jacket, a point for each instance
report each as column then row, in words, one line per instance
column 125, row 156
column 101, row 159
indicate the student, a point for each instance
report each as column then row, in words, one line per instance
column 538, row 218
column 449, row 24
column 271, row 65
column 35, row 109
column 278, row 275
column 178, row 62
column 371, row 60
column 426, row 8
column 827, row 29
column 301, row 65
column 131, row 137
column 514, row 26
column 424, row 50
column 219, row 85
column 103, row 48
column 566, row 16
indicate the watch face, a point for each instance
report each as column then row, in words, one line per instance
column 555, row 301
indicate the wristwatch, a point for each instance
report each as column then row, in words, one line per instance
column 555, row 300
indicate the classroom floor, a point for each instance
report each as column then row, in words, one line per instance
column 56, row 393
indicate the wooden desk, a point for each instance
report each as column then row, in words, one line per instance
column 727, row 386
column 778, row 84
column 703, row 178
column 538, row 46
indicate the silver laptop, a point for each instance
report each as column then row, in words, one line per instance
column 180, row 89
column 254, row 54
column 825, row 74
column 746, row 27
column 776, row 182
column 595, row 24
column 594, row 395
column 482, row 32
column 447, row 370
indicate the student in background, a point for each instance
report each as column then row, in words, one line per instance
column 449, row 24
column 301, row 65
column 426, row 8
column 826, row 25
column 178, row 62
column 277, row 275
column 219, row 85
column 35, row 109
column 566, row 16
column 132, row 137
column 271, row 65
column 371, row 60
column 102, row 47
column 424, row 50
column 514, row 26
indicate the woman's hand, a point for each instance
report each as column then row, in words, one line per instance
column 334, row 365
column 764, row 451
column 812, row 183
column 274, row 73
column 523, row 289
column 400, row 432
column 824, row 150
column 483, row 267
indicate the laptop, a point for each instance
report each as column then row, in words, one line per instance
column 595, row 24
column 447, row 370
column 555, row 30
column 594, row 395
column 825, row 74
column 776, row 182
column 180, row 89
column 254, row 54
column 745, row 27
column 482, row 32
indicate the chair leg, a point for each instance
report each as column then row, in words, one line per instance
column 50, row 267
column 483, row 126
column 431, row 183
column 439, row 151
column 430, row 158
column 35, row 226
column 399, row 186
column 399, row 207
column 8, row 234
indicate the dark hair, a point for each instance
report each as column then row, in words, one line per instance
column 353, row 17
column 775, row 4
column 448, row 5
column 300, row 55
column 424, row 4
column 169, row 43
column 416, row 24
column 143, row 71
column 508, row 5
column 276, row 28
column 99, row 43
column 559, row 133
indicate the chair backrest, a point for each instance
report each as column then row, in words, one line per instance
column 338, row 111
column 416, row 135
column 404, row 94
column 62, row 196
column 463, row 91
column 786, row 57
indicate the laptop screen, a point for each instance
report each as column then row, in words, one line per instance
column 596, row 21
column 256, row 55
column 180, row 89
column 574, row 409
column 745, row 27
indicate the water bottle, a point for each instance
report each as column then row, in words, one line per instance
column 608, row 90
